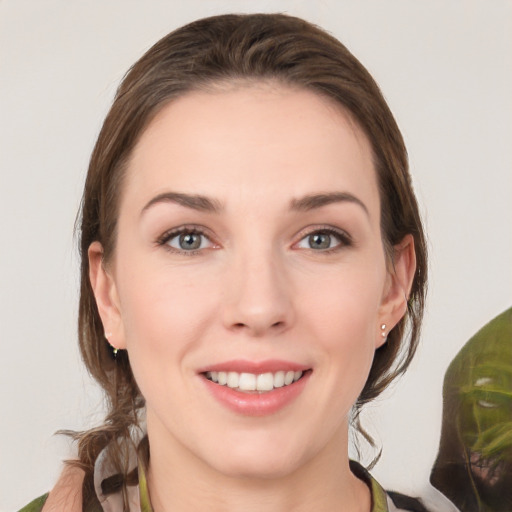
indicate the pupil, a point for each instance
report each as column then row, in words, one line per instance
column 320, row 241
column 190, row 241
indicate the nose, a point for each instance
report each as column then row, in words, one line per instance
column 257, row 299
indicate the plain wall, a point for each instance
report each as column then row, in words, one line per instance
column 445, row 68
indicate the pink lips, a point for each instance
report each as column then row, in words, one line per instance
column 241, row 366
column 256, row 403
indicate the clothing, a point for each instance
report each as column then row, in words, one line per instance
column 139, row 497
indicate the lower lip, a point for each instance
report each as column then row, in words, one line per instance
column 254, row 403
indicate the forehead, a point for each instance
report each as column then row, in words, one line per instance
column 252, row 137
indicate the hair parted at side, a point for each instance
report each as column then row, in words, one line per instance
column 211, row 52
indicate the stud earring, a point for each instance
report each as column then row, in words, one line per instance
column 114, row 349
column 383, row 330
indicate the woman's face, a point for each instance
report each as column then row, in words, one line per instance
column 249, row 254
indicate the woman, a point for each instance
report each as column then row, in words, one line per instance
column 252, row 257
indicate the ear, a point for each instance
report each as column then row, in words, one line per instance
column 398, row 286
column 107, row 299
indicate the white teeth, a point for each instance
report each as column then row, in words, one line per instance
column 265, row 382
column 233, row 379
column 247, row 382
column 288, row 378
column 279, row 380
column 251, row 382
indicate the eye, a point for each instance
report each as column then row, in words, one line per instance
column 186, row 240
column 324, row 240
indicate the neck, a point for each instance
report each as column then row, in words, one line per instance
column 179, row 481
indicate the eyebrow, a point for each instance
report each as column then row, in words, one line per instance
column 310, row 202
column 193, row 201
column 205, row 204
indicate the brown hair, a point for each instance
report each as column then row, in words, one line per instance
column 218, row 50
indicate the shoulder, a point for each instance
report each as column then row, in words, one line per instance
column 66, row 495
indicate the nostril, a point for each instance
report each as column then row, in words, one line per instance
column 239, row 326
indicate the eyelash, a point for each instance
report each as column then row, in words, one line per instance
column 343, row 238
column 166, row 237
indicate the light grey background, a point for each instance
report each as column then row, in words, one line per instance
column 446, row 70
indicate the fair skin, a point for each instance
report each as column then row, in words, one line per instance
column 278, row 263
column 67, row 493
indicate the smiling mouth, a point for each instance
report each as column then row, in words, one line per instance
column 255, row 383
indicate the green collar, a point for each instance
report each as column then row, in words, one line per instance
column 378, row 495
column 145, row 504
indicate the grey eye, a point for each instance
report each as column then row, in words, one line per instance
column 324, row 239
column 319, row 241
column 189, row 241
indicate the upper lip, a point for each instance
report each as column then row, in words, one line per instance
column 255, row 367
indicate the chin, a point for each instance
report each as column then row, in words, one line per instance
column 258, row 460
column 257, row 468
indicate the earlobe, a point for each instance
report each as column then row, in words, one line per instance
column 400, row 279
column 105, row 293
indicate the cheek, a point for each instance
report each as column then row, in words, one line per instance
column 163, row 310
column 344, row 304
column 343, row 324
column 165, row 316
